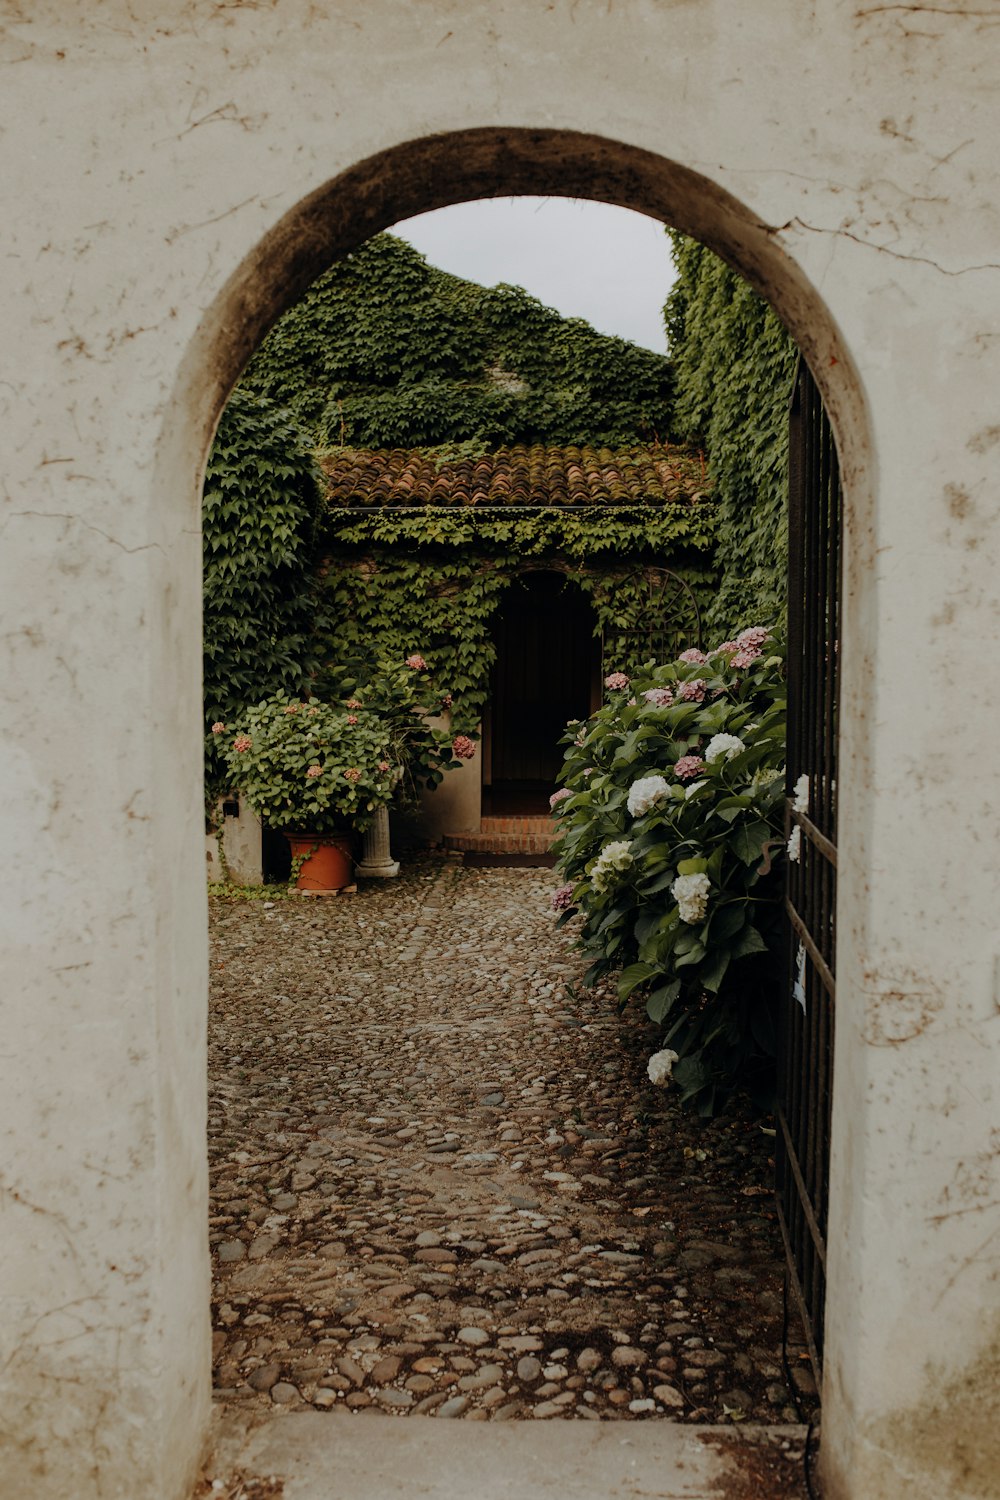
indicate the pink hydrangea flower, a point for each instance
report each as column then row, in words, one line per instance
column 218, row 727
column 384, row 766
column 753, row 635
column 693, row 691
column 692, row 654
column 587, row 771
column 559, row 796
column 562, row 899
column 745, row 657
column 660, row 697
column 446, row 700
column 617, row 682
column 725, row 648
column 416, row 662
column 354, row 702
column 352, row 773
column 463, row 747
column 352, row 718
column 292, row 708
column 314, row 710
column 315, row 771
column 688, row 767
column 242, row 742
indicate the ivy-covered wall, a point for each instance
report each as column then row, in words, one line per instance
column 733, row 365
column 384, row 350
column 431, row 582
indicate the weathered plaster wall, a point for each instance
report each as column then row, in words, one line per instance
column 172, row 178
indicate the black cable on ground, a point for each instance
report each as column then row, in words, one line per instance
column 810, row 1426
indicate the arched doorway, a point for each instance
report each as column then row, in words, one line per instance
column 546, row 672
column 434, row 171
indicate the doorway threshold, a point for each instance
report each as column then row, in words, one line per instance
column 337, row 1456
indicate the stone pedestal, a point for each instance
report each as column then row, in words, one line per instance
column 376, row 860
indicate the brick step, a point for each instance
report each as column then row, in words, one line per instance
column 500, row 843
column 514, row 823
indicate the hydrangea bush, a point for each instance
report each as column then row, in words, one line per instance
column 310, row 767
column 671, row 847
column 410, row 705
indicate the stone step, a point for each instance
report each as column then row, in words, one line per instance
column 517, row 823
column 319, row 1456
column 500, row 843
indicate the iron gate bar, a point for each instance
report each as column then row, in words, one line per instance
column 808, row 1007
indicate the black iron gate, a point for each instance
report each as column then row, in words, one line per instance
column 805, row 1064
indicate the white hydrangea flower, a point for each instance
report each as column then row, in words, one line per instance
column 691, row 894
column 764, row 777
column 690, row 790
column 795, row 845
column 800, row 798
column 723, row 744
column 613, row 858
column 661, row 1066
column 645, row 793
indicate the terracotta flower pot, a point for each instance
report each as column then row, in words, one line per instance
column 327, row 865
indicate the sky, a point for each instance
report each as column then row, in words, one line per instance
column 588, row 260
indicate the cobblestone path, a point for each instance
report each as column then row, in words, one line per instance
column 442, row 1183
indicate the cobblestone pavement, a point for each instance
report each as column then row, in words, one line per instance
column 441, row 1182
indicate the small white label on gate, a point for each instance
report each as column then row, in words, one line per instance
column 799, row 988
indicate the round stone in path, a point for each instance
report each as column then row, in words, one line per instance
column 528, row 1369
column 473, row 1336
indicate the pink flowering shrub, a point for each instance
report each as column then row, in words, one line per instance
column 409, row 704
column 463, row 747
column 617, row 682
column 218, row 727
column 312, row 772
column 674, row 859
column 559, row 796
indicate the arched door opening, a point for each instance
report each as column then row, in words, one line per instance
column 546, row 672
column 429, row 173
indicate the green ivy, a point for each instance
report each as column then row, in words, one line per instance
column 431, row 582
column 733, row 364
column 386, row 351
column 261, row 509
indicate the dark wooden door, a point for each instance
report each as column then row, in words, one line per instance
column 805, row 1073
column 546, row 658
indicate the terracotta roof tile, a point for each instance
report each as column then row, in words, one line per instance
column 518, row 475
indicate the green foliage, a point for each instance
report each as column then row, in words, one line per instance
column 671, row 842
column 308, row 766
column 404, row 697
column 260, row 511
column 432, row 581
column 733, row 365
column 386, row 351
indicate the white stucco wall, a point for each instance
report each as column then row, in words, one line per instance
column 165, row 193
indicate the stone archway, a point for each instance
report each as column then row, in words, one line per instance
column 428, row 173
column 181, row 182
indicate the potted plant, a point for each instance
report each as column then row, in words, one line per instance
column 317, row 771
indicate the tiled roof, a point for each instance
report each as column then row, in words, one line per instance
column 519, row 475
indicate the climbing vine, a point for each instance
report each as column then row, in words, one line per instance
column 431, row 581
column 386, row 351
column 733, row 364
column 260, row 508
